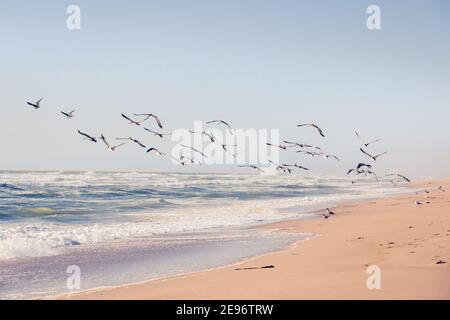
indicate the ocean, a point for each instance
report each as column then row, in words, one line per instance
column 122, row 227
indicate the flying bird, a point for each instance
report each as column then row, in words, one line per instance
column 326, row 156
column 251, row 166
column 330, row 212
column 133, row 140
column 280, row 167
column 220, row 122
column 369, row 143
column 295, row 165
column 195, row 150
column 191, row 160
column 312, row 125
column 441, row 189
column 156, row 151
column 68, row 114
column 35, row 105
column 365, row 172
column 159, row 134
column 276, row 145
column 110, row 147
column 294, row 144
column 309, row 153
column 138, row 123
column 88, row 137
column 209, row 135
column 355, row 170
column 225, row 146
column 400, row 176
column 360, row 165
column 370, row 156
column 148, row 116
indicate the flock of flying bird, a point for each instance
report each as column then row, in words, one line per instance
column 362, row 168
column 139, row 119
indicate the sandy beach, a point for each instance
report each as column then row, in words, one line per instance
column 409, row 243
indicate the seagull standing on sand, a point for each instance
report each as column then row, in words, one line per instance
column 35, row 105
column 314, row 126
column 68, row 114
column 148, row 116
column 88, row 137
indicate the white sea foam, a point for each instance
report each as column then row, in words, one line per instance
column 47, row 213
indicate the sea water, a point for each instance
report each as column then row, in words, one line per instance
column 122, row 227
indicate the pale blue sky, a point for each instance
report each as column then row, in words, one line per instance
column 257, row 64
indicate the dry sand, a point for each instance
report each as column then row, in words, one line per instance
column 403, row 239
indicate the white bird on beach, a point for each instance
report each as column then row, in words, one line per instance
column 35, row 105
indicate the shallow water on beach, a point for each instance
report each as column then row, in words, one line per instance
column 130, row 226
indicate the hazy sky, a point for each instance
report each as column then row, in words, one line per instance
column 257, row 64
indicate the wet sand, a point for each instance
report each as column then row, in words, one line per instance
column 409, row 243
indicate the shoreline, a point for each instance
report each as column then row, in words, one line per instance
column 226, row 283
